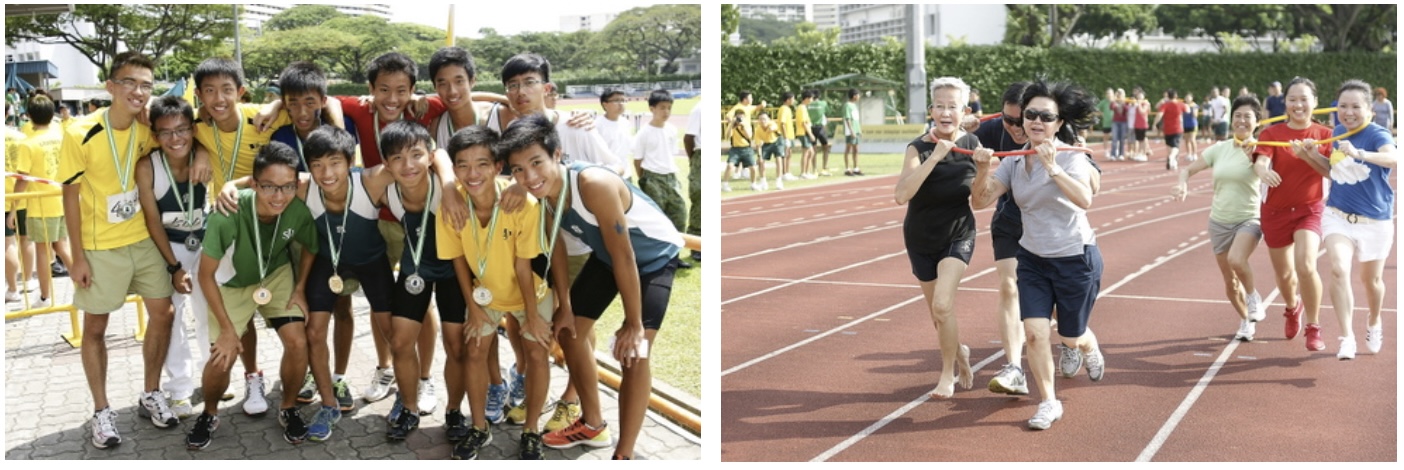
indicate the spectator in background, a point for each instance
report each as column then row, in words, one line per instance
column 1276, row 103
column 1383, row 109
column 618, row 133
column 974, row 103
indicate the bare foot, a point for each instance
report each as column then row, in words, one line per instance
column 967, row 377
column 945, row 389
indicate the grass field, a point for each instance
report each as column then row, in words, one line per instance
column 872, row 164
column 677, row 351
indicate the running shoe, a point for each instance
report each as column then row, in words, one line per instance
column 455, row 425
column 428, row 400
column 1293, row 323
column 468, row 448
column 857, row 172
column 182, row 408
column 294, row 429
column 1096, row 366
column 779, row 184
column 380, row 385
column 1256, row 312
column 321, row 428
column 255, row 404
column 153, row 405
column 496, row 402
column 104, row 427
column 1347, row 351
column 1374, row 339
column 1069, row 361
column 1313, row 337
column 578, row 434
column 203, row 432
column 726, row 187
column 530, row 447
column 12, row 296
column 519, row 391
column 344, row 400
column 395, row 411
column 517, row 415
column 407, row 423
column 309, row 389
column 1048, row 412
column 1246, row 330
column 564, row 414
column 1009, row 381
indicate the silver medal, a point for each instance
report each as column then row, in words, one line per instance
column 192, row 243
column 414, row 284
column 482, row 295
column 335, row 284
column 126, row 211
column 262, row 296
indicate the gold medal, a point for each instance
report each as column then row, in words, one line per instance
column 262, row 296
column 335, row 284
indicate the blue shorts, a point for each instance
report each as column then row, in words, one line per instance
column 924, row 265
column 1069, row 284
column 376, row 279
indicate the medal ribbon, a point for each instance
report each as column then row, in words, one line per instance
column 258, row 242
column 124, row 172
column 345, row 215
column 559, row 210
column 423, row 222
column 180, row 199
column 492, row 226
column 219, row 147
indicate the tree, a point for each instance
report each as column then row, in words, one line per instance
column 1348, row 27
column 265, row 56
column 1028, row 24
column 666, row 32
column 301, row 16
column 809, row 35
column 373, row 36
column 152, row 29
column 730, row 20
column 1230, row 26
column 765, row 29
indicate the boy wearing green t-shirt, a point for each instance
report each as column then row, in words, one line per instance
column 246, row 267
column 852, row 133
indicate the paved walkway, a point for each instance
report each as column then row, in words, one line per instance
column 48, row 405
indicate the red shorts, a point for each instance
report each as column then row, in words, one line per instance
column 1280, row 224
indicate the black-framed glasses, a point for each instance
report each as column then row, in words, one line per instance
column 179, row 132
column 266, row 188
column 1014, row 121
column 131, row 84
column 1035, row 115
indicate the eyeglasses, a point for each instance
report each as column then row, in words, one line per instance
column 1014, row 121
column 277, row 189
column 181, row 132
column 1045, row 116
column 528, row 83
column 132, row 84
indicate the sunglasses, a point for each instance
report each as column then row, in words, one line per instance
column 1044, row 116
column 1014, row 121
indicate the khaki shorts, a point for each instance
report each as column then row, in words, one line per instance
column 394, row 234
column 47, row 229
column 137, row 269
column 544, row 309
column 240, row 306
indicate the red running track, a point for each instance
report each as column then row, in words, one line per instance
column 828, row 352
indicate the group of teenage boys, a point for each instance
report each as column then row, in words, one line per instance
column 798, row 127
column 244, row 209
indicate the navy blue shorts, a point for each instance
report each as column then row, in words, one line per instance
column 924, row 265
column 453, row 307
column 1070, row 284
column 1005, row 239
column 376, row 280
column 594, row 289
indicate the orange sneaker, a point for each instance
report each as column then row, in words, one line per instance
column 578, row 433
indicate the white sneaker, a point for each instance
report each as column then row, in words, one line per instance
column 1374, row 339
column 1255, row 307
column 764, row 186
column 428, row 400
column 726, row 187
column 1347, row 351
column 755, row 187
column 1010, row 381
column 1193, row 157
column 1096, row 367
column 182, row 408
column 1246, row 330
column 153, row 405
column 1048, row 412
column 380, row 385
column 255, row 403
column 1069, row 361
column 41, row 303
column 810, row 176
column 790, row 177
column 745, row 174
column 779, row 183
column 104, row 427
column 11, row 296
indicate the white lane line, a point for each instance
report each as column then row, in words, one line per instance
column 854, row 439
column 842, row 327
column 815, row 276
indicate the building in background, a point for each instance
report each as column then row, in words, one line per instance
column 942, row 24
column 595, row 22
column 789, row 12
column 823, row 16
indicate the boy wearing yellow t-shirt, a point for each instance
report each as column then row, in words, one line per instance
column 39, row 156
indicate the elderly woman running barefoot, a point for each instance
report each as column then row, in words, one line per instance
column 939, row 230
column 1234, row 228
column 1060, row 267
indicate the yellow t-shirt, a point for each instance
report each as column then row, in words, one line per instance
column 766, row 133
column 738, row 140
column 38, row 156
column 802, row 122
column 27, row 128
column 516, row 236
column 88, row 158
column 787, row 122
column 223, row 159
column 13, row 137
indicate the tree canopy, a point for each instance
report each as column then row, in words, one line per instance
column 156, row 30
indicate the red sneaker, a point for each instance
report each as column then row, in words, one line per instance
column 1294, row 320
column 1313, row 337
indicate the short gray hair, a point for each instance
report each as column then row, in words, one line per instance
column 962, row 90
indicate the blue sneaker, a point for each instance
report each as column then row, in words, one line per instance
column 395, row 410
column 518, row 387
column 321, row 428
column 496, row 401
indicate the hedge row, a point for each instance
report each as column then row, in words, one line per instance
column 770, row 71
column 495, row 86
